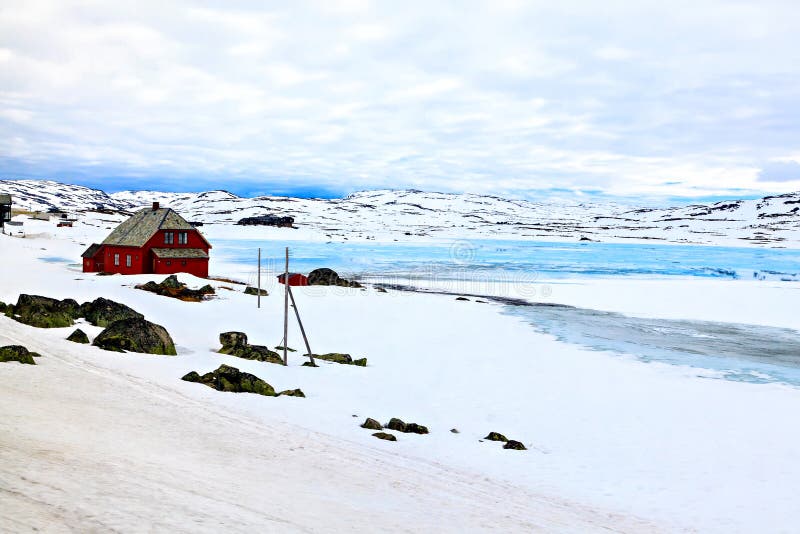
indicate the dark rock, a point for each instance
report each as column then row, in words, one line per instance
column 45, row 312
column 172, row 282
column 414, row 428
column 268, row 220
column 254, row 291
column 78, row 336
column 335, row 357
column 454, row 431
column 17, row 353
column 226, row 378
column 172, row 287
column 280, row 347
column 396, row 424
column 361, row 362
column 328, row 277
column 496, row 436
column 136, row 335
column 408, row 428
column 384, row 435
column 191, row 377
column 207, row 290
column 309, row 364
column 292, row 393
column 3, row 307
column 103, row 312
column 462, row 298
column 380, row 289
column 235, row 344
column 372, row 424
column 516, row 445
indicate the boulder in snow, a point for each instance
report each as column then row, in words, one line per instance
column 515, row 445
column 496, row 436
column 372, row 424
column 136, row 335
column 235, row 344
column 45, row 312
column 384, row 435
column 226, row 378
column 17, row 353
column 103, row 312
column 78, row 336
column 328, row 277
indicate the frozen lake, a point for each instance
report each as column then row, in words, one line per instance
column 740, row 352
column 523, row 260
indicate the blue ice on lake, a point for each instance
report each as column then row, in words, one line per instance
column 738, row 352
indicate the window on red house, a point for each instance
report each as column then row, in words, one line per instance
column 127, row 260
column 116, row 259
column 169, row 238
column 183, row 238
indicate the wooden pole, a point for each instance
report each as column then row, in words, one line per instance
column 259, row 277
column 302, row 330
column 286, row 310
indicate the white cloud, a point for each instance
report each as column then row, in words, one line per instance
column 512, row 97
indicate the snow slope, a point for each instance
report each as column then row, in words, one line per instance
column 421, row 216
column 614, row 443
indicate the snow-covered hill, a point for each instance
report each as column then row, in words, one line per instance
column 417, row 215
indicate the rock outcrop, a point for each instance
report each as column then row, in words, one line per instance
column 292, row 393
column 407, row 428
column 496, row 436
column 172, row 287
column 136, row 335
column 78, row 336
column 338, row 357
column 103, row 312
column 250, row 290
column 268, row 220
column 17, row 353
column 235, row 344
column 329, row 277
column 384, row 435
column 44, row 312
column 515, row 445
column 371, row 424
column 226, row 378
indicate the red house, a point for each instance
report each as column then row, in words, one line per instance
column 295, row 279
column 153, row 240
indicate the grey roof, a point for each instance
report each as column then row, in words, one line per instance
column 143, row 224
column 91, row 251
column 180, row 253
column 5, row 198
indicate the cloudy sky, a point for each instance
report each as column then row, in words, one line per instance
column 528, row 99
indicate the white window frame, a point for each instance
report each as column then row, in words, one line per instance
column 116, row 260
column 127, row 260
column 183, row 238
column 169, row 238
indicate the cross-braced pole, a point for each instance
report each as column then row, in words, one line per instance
column 286, row 310
column 302, row 330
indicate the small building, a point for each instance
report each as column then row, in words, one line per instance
column 153, row 240
column 5, row 209
column 295, row 279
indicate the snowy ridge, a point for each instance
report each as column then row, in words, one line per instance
column 413, row 215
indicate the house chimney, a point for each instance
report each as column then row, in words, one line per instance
column 155, row 206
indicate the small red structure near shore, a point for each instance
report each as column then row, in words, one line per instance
column 295, row 279
column 153, row 240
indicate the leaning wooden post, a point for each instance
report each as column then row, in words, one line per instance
column 286, row 310
column 302, row 330
column 259, row 277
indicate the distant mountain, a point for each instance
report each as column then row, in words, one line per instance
column 773, row 220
